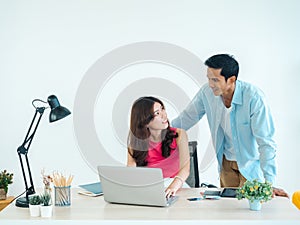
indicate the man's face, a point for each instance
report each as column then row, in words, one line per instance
column 217, row 82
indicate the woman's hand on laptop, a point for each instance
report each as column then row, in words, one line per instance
column 174, row 186
column 170, row 192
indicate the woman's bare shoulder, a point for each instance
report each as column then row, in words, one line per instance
column 181, row 133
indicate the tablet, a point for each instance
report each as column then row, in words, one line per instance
column 229, row 192
column 226, row 192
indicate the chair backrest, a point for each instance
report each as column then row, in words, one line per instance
column 193, row 179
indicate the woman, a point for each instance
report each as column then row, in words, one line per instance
column 153, row 143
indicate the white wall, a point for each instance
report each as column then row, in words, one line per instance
column 46, row 47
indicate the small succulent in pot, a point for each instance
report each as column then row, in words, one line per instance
column 35, row 200
column 45, row 199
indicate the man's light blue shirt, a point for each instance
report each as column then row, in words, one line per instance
column 251, row 125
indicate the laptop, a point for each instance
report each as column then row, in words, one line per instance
column 134, row 186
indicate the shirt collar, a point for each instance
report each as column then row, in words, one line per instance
column 238, row 95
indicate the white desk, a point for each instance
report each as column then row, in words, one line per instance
column 94, row 210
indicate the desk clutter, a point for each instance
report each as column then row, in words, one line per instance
column 95, row 211
column 42, row 204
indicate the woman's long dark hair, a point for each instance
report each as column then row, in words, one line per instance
column 138, row 139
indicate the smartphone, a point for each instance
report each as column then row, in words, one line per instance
column 212, row 197
column 194, row 199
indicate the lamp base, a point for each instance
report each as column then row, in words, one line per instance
column 22, row 202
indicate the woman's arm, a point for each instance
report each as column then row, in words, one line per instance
column 184, row 157
column 130, row 159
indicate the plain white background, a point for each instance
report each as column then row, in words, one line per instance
column 46, row 47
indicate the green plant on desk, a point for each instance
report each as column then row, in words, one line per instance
column 6, row 178
column 45, row 199
column 255, row 190
column 35, row 200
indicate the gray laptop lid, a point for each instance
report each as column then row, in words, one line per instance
column 133, row 185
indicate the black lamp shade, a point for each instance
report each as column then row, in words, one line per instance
column 57, row 111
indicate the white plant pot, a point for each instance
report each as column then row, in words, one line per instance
column 46, row 211
column 34, row 210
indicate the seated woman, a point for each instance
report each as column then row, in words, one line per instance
column 153, row 143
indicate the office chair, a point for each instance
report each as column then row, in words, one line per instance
column 193, row 179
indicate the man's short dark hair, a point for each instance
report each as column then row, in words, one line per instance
column 227, row 63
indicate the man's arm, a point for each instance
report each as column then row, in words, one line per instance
column 263, row 130
column 191, row 114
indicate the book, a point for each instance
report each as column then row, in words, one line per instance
column 92, row 189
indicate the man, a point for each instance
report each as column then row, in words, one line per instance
column 240, row 122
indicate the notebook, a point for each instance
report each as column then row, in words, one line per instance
column 134, row 185
column 93, row 189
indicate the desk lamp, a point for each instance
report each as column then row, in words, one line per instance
column 57, row 112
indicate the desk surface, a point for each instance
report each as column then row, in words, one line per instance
column 7, row 201
column 84, row 208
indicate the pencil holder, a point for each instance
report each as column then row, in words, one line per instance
column 62, row 196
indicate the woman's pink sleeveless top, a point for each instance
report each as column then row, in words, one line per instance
column 170, row 165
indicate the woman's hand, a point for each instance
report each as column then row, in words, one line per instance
column 174, row 186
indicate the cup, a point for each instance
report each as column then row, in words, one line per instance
column 62, row 196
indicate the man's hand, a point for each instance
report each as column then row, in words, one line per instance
column 279, row 192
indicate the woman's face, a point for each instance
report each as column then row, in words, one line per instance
column 160, row 120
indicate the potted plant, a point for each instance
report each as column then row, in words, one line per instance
column 34, row 205
column 6, row 178
column 46, row 205
column 256, row 192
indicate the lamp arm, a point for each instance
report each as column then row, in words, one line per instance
column 23, row 149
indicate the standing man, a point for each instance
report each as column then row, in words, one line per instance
column 240, row 122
